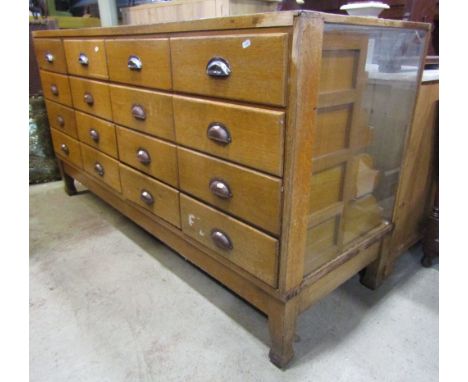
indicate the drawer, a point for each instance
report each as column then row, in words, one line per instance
column 235, row 241
column 50, row 54
column 66, row 148
column 243, row 67
column 86, row 58
column 143, row 110
column 101, row 166
column 246, row 135
column 149, row 155
column 154, row 196
column 61, row 118
column 247, row 194
column 91, row 97
column 143, row 62
column 97, row 133
column 56, row 87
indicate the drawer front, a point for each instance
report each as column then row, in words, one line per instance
column 154, row 196
column 91, row 97
column 101, row 166
column 143, row 110
column 56, row 87
column 244, row 193
column 50, row 54
column 243, row 67
column 246, row 135
column 97, row 133
column 149, row 155
column 144, row 62
column 66, row 148
column 61, row 118
column 86, row 58
column 235, row 241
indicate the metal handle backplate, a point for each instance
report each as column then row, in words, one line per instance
column 138, row 112
column 143, row 156
column 134, row 63
column 88, row 98
column 221, row 240
column 219, row 133
column 146, row 197
column 49, row 57
column 64, row 149
column 99, row 168
column 218, row 67
column 83, row 59
column 220, row 188
column 94, row 135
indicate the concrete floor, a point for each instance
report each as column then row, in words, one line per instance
column 108, row 302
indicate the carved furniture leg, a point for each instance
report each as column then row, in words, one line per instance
column 282, row 324
column 68, row 181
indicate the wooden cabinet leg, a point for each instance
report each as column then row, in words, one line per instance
column 430, row 241
column 375, row 273
column 68, row 181
column 282, row 324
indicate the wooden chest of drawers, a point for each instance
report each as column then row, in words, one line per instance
column 242, row 143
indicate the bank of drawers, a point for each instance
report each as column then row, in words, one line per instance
column 212, row 168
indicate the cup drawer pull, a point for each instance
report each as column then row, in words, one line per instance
column 99, row 168
column 94, row 135
column 220, row 189
column 134, row 63
column 60, row 121
column 54, row 90
column 219, row 133
column 143, row 156
column 218, row 67
column 49, row 57
column 146, row 197
column 138, row 112
column 88, row 98
column 83, row 59
column 64, row 149
column 221, row 240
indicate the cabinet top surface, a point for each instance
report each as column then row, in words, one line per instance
column 258, row 20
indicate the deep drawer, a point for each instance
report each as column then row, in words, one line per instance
column 143, row 62
column 86, row 58
column 156, row 197
column 149, row 155
column 97, row 133
column 247, row 194
column 241, row 244
column 50, row 54
column 61, row 118
column 246, row 135
column 243, row 67
column 56, row 87
column 101, row 166
column 143, row 110
column 91, row 97
column 67, row 148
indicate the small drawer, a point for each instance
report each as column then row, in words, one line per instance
column 61, row 118
column 235, row 241
column 156, row 197
column 97, row 133
column 101, row 166
column 144, row 62
column 247, row 194
column 86, row 58
column 143, row 110
column 56, row 87
column 242, row 67
column 91, row 97
column 66, row 148
column 50, row 54
column 149, row 155
column 247, row 135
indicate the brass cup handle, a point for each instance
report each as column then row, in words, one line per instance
column 134, row 63
column 83, row 59
column 99, row 168
column 219, row 133
column 221, row 240
column 220, row 189
column 138, row 112
column 60, row 121
column 49, row 57
column 218, row 67
column 54, row 90
column 64, row 149
column 146, row 197
column 94, row 135
column 88, row 98
column 143, row 156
